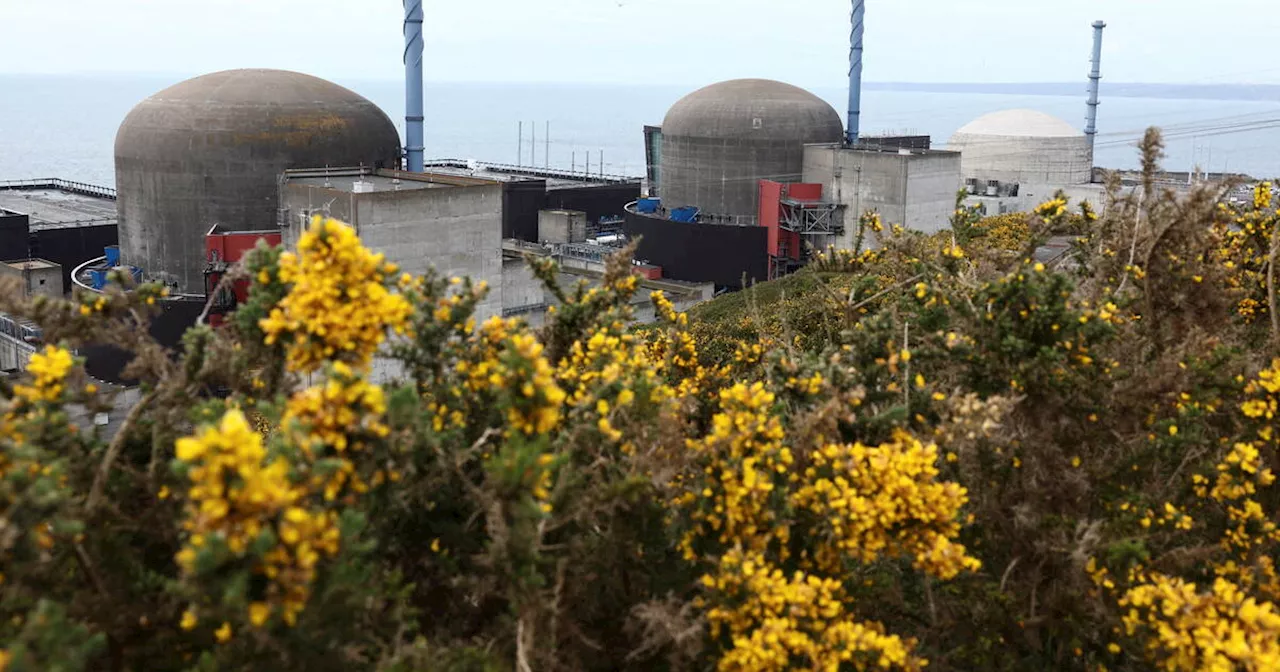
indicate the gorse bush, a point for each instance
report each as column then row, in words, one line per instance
column 939, row 453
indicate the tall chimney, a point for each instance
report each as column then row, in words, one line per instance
column 413, row 135
column 1095, row 75
column 855, row 72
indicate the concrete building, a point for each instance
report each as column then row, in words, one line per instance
column 912, row 187
column 1022, row 147
column 39, row 277
column 720, row 141
column 60, row 221
column 562, row 226
column 209, row 151
column 418, row 220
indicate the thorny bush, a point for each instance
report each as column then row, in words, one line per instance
column 938, row 452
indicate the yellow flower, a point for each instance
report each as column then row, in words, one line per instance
column 259, row 612
column 223, row 633
column 188, row 620
column 339, row 307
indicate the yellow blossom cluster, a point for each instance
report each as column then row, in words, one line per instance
column 778, row 622
column 514, row 364
column 49, row 369
column 834, row 260
column 338, row 306
column 784, row 539
column 330, row 423
column 1244, row 251
column 239, row 498
column 745, row 460
column 1220, row 630
column 1052, row 209
column 885, row 501
column 32, row 480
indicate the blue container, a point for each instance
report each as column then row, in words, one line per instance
column 113, row 255
column 687, row 214
column 137, row 274
column 98, row 277
column 648, row 206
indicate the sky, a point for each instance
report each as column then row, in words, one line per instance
column 655, row 41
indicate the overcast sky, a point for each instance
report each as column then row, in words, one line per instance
column 660, row 41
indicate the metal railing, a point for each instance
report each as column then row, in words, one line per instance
column 70, row 186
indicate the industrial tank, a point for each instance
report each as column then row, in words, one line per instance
column 210, row 151
column 1023, row 147
column 719, row 141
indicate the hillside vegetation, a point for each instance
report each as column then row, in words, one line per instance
column 938, row 454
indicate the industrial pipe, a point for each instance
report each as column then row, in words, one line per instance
column 855, row 72
column 1095, row 76
column 413, row 132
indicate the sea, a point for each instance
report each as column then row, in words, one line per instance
column 64, row 126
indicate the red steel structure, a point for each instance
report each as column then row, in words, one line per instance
column 223, row 250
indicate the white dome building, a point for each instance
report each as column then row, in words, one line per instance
column 1024, row 147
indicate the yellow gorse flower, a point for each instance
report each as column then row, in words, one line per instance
column 339, row 306
column 237, row 495
column 49, row 369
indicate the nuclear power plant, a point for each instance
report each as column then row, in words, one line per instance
column 745, row 179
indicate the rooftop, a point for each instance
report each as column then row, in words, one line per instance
column 370, row 180
column 30, row 264
column 52, row 203
column 556, row 178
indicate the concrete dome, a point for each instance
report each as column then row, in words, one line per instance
column 1023, row 147
column 1020, row 123
column 718, row 141
column 210, row 150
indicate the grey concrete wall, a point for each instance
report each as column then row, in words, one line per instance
column 299, row 201
column 14, row 354
column 860, row 181
column 562, row 226
column 1024, row 160
column 915, row 190
column 37, row 281
column 457, row 231
column 932, row 183
column 520, row 290
column 722, row 175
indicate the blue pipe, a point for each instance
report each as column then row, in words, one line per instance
column 413, row 132
column 855, row 72
column 1095, row 75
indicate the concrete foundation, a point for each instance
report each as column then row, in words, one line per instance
column 914, row 188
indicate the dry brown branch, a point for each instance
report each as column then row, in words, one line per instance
column 113, row 451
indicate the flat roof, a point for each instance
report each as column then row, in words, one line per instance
column 55, row 208
column 871, row 148
column 555, row 178
column 374, row 183
column 30, row 264
column 379, row 180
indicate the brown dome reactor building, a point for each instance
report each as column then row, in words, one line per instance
column 210, row 150
column 720, row 141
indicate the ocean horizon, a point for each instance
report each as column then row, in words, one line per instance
column 64, row 125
